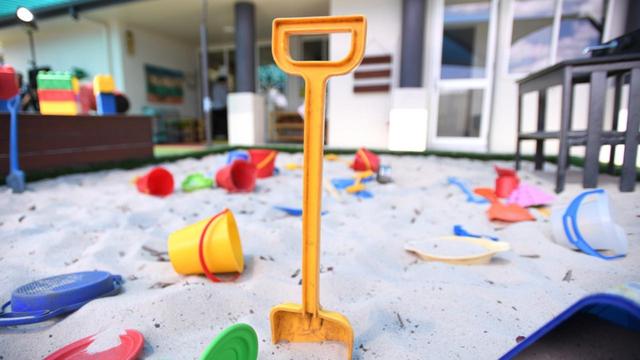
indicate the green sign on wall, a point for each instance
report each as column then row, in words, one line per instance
column 164, row 85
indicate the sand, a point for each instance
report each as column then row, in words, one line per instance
column 400, row 307
column 448, row 248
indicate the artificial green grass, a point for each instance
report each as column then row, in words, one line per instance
column 288, row 148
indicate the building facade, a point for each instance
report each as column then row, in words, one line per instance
column 438, row 74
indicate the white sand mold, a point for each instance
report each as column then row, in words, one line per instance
column 459, row 250
column 105, row 340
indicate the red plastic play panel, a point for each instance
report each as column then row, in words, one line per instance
column 130, row 348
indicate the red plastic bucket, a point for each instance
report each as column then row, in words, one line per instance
column 158, row 182
column 506, row 182
column 264, row 160
column 8, row 83
column 366, row 160
column 505, row 185
column 240, row 176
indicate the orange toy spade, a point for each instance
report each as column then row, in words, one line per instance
column 308, row 322
column 502, row 212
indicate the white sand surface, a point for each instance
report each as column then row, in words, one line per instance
column 399, row 307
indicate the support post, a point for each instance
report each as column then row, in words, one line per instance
column 411, row 60
column 204, row 70
column 245, row 47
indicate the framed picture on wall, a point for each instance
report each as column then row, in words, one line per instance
column 164, row 86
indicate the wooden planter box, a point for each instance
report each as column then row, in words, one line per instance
column 56, row 142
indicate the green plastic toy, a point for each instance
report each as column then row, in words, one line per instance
column 195, row 182
column 237, row 342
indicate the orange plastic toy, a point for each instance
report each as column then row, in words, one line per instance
column 502, row 212
column 308, row 322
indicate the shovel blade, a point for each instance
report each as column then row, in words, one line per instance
column 289, row 322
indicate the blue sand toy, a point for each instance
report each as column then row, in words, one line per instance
column 343, row 183
column 294, row 211
column 15, row 179
column 364, row 194
column 54, row 296
column 237, row 155
column 458, row 230
column 471, row 197
column 571, row 228
column 607, row 323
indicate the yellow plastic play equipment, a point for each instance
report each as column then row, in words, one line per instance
column 492, row 248
column 308, row 322
column 221, row 247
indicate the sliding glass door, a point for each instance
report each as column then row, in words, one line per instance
column 464, row 34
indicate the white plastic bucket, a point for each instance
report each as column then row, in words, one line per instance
column 586, row 224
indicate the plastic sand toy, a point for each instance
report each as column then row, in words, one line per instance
column 457, row 250
column 294, row 211
column 15, row 179
column 158, row 182
column 292, row 166
column 458, row 230
column 130, row 348
column 604, row 325
column 527, row 195
column 237, row 342
column 506, row 182
column 237, row 155
column 239, row 176
column 264, row 160
column 384, row 175
column 586, row 224
column 308, row 322
column 502, row 212
column 366, row 160
column 356, row 187
column 471, row 197
column 54, row 296
column 195, row 182
column 197, row 250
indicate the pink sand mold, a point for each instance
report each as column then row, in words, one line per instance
column 527, row 195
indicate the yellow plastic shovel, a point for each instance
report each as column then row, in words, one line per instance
column 308, row 322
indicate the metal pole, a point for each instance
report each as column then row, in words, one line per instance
column 245, row 47
column 413, row 14
column 33, row 49
column 204, row 69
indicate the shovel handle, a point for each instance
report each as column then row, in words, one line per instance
column 315, row 75
column 283, row 28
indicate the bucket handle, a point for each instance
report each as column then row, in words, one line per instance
column 21, row 318
column 266, row 160
column 203, row 263
column 364, row 158
column 570, row 223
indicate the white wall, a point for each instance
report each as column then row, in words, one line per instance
column 100, row 47
column 164, row 51
column 362, row 119
column 60, row 43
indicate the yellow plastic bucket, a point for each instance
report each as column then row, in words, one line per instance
column 209, row 246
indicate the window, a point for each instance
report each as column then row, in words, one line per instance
column 580, row 25
column 531, row 35
column 464, row 39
